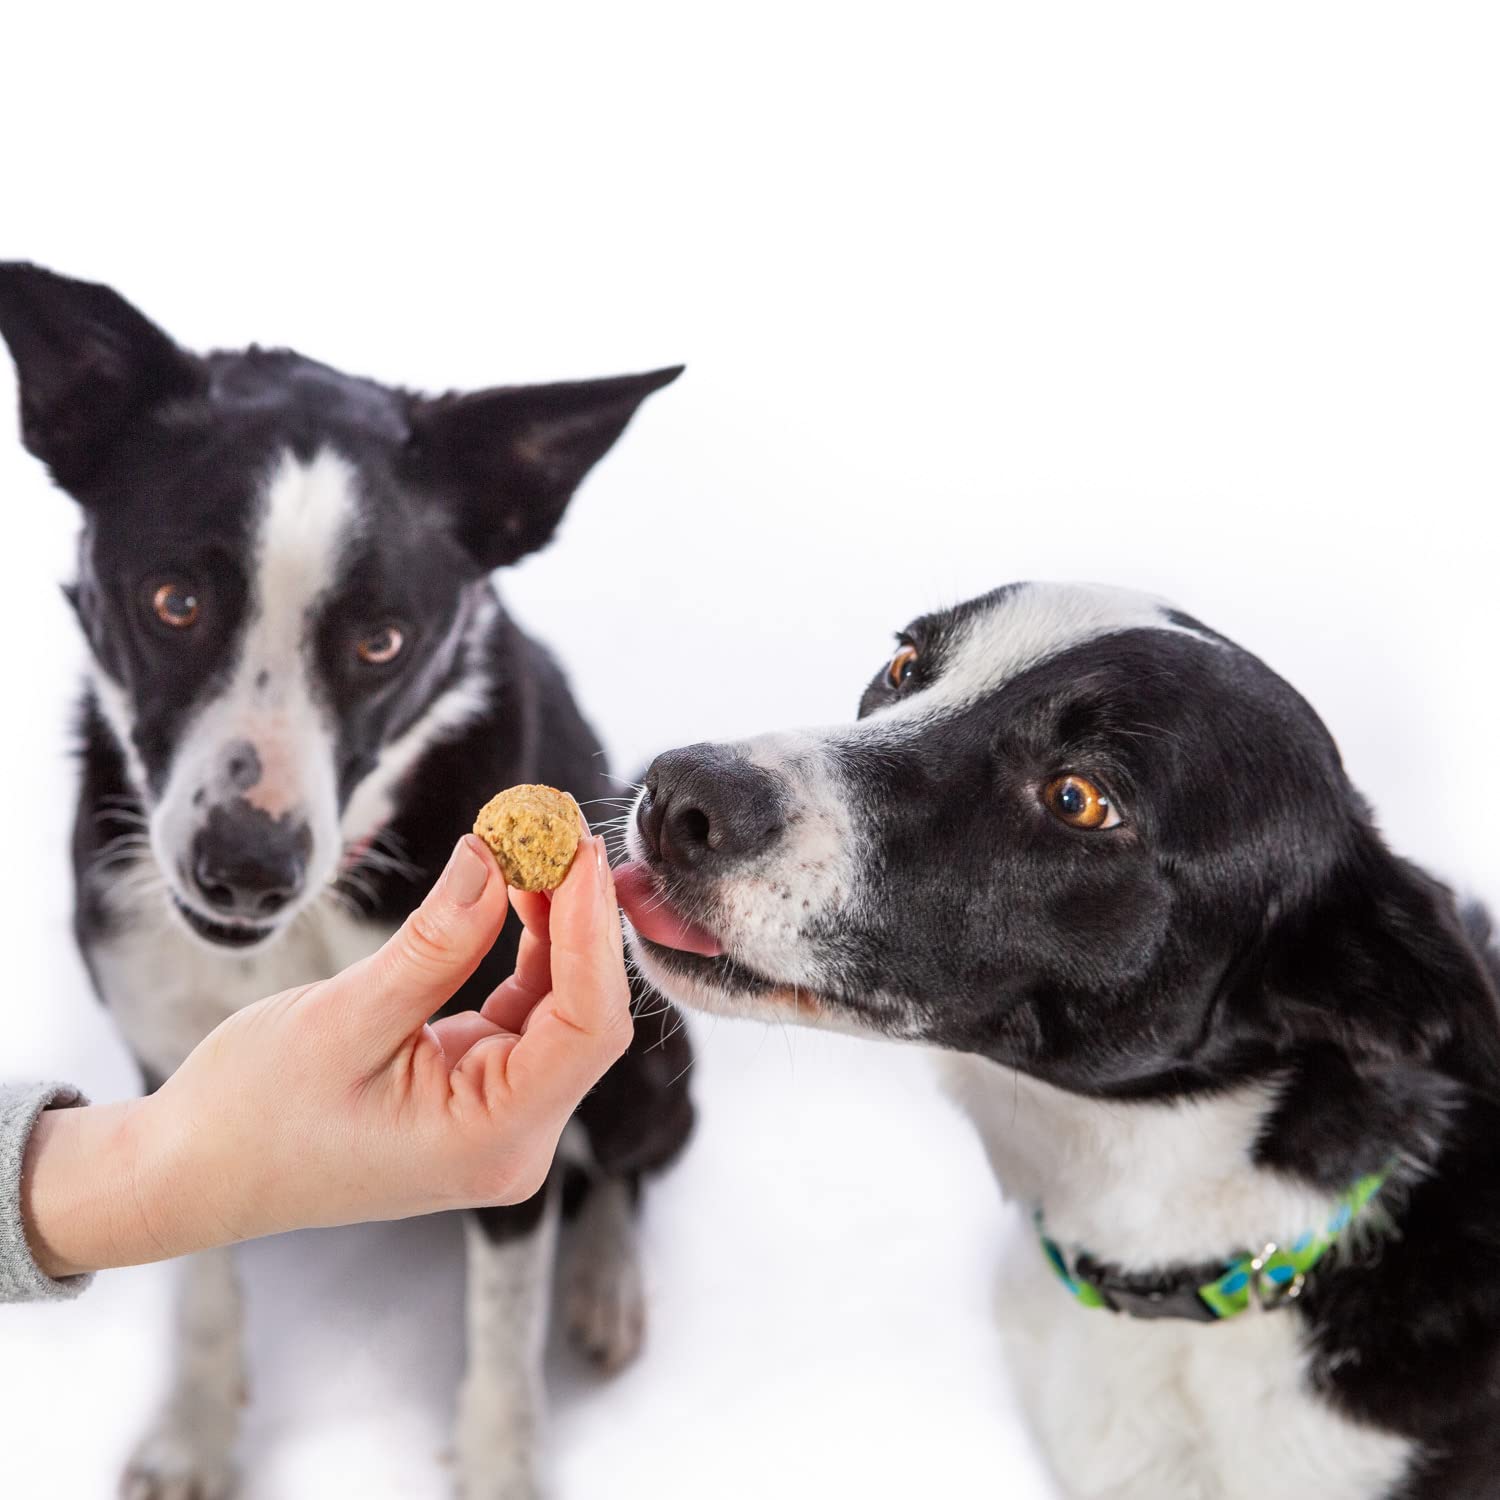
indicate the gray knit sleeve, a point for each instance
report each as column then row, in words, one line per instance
column 21, row 1279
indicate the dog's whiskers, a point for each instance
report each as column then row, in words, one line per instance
column 357, row 885
column 345, row 903
column 122, row 853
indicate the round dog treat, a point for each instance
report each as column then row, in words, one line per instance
column 534, row 831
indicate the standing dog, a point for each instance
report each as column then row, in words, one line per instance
column 302, row 687
column 1240, row 1061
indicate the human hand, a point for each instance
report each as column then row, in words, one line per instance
column 336, row 1102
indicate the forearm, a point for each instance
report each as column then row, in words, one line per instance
column 89, row 1199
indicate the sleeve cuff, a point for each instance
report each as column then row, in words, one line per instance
column 21, row 1279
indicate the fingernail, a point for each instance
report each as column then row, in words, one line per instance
column 601, row 864
column 468, row 872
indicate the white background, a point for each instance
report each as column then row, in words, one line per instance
column 1199, row 299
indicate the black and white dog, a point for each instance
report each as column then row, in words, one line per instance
column 1241, row 1061
column 302, row 687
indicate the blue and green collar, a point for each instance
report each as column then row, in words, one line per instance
column 1268, row 1278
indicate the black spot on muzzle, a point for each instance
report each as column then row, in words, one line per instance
column 242, row 765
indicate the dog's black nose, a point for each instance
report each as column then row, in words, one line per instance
column 247, row 864
column 707, row 805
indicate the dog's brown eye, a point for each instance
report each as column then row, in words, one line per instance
column 383, row 646
column 1079, row 803
column 175, row 605
column 903, row 664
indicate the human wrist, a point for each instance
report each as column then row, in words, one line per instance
column 85, row 1202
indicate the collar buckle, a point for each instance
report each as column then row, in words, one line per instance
column 1275, row 1279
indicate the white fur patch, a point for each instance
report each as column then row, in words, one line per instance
column 1134, row 1409
column 1102, row 1169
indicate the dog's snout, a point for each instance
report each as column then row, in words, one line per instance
column 247, row 864
column 707, row 805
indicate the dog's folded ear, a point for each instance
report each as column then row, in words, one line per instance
column 505, row 462
column 1385, row 963
column 89, row 365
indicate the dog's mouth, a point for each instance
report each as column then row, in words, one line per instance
column 687, row 961
column 655, row 919
column 223, row 934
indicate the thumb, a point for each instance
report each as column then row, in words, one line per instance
column 388, row 995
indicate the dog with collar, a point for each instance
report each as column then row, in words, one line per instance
column 1239, row 1061
column 302, row 686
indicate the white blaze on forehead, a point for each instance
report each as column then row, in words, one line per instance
column 308, row 515
column 1025, row 626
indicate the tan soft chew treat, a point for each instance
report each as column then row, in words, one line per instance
column 534, row 832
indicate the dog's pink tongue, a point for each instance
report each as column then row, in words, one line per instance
column 653, row 918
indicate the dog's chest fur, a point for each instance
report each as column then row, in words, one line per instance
column 166, row 990
column 1135, row 1409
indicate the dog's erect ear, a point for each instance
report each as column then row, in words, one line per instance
column 88, row 364
column 506, row 461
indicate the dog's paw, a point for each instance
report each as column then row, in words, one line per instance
column 174, row 1463
column 486, row 1471
column 497, row 1442
column 605, row 1309
column 498, row 1487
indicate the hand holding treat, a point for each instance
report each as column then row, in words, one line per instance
column 339, row 1101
